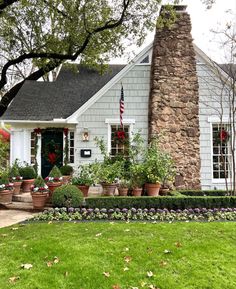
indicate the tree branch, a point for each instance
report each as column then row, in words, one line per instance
column 5, row 3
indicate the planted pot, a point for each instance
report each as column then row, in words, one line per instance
column 52, row 186
column 153, row 189
column 26, row 185
column 66, row 179
column 164, row 191
column 39, row 200
column 6, row 196
column 137, row 192
column 109, row 189
column 16, row 187
column 84, row 189
column 123, row 191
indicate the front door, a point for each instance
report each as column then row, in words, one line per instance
column 52, row 150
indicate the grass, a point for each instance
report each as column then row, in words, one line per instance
column 197, row 256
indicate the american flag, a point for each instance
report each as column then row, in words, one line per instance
column 122, row 105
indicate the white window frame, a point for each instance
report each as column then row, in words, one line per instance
column 116, row 121
column 213, row 120
column 64, row 143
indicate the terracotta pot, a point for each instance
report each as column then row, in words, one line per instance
column 164, row 191
column 52, row 186
column 153, row 189
column 39, row 200
column 16, row 188
column 26, row 185
column 109, row 189
column 66, row 179
column 123, row 191
column 137, row 192
column 84, row 189
column 6, row 196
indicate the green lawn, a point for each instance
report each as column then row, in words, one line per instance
column 180, row 256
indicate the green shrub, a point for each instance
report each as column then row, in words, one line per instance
column 27, row 172
column 55, row 172
column 39, row 182
column 85, row 175
column 173, row 203
column 67, row 196
column 66, row 170
column 203, row 192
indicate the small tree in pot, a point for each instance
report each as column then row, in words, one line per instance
column 138, row 178
column 39, row 193
column 54, row 180
column 15, row 178
column 28, row 173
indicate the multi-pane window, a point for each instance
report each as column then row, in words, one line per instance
column 119, row 139
column 71, row 147
column 221, row 151
column 32, row 148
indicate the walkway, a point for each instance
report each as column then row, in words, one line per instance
column 11, row 217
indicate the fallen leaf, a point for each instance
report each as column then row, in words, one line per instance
column 56, row 260
column 127, row 230
column 24, row 246
column 14, row 228
column 149, row 250
column 14, row 279
column 66, row 274
column 116, row 287
column 49, row 263
column 111, row 223
column 127, row 259
column 178, row 244
column 134, row 287
column 98, row 235
column 126, row 269
column 143, row 284
column 126, row 249
column 150, row 274
column 50, row 222
column 167, row 251
column 106, row 274
column 4, row 235
column 26, row 266
column 152, row 287
column 163, row 263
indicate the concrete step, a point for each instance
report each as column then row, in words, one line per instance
column 21, row 206
column 24, row 197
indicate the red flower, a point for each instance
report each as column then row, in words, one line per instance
column 52, row 158
column 223, row 135
column 66, row 130
column 37, row 130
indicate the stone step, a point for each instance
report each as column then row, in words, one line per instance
column 24, row 197
column 21, row 206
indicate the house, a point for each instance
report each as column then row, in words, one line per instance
column 169, row 88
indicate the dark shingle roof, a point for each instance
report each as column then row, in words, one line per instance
column 48, row 100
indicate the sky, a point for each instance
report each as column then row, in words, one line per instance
column 203, row 21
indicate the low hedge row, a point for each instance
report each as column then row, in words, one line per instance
column 171, row 203
column 203, row 192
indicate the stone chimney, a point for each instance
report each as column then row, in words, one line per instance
column 173, row 103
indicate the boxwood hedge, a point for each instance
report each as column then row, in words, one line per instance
column 173, row 203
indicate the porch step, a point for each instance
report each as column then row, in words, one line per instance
column 24, row 198
column 21, row 206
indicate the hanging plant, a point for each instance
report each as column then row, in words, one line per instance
column 121, row 137
column 51, row 152
column 66, row 148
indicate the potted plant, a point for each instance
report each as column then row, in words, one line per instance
column 137, row 178
column 66, row 172
column 168, row 173
column 15, row 178
column 6, row 189
column 123, row 187
column 39, row 193
column 54, row 180
column 28, row 173
column 84, row 179
column 153, row 166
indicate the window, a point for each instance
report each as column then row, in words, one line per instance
column 119, row 140
column 71, row 147
column 32, row 148
column 221, row 151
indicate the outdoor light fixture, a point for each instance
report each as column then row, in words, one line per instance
column 85, row 134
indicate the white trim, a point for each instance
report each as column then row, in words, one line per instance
column 216, row 119
column 107, row 86
column 149, row 54
column 117, row 121
column 55, row 121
